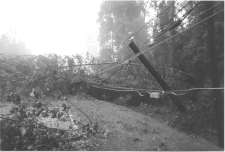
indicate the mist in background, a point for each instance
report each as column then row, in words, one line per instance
column 46, row 27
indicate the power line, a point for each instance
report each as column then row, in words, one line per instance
column 203, row 12
column 179, row 22
column 112, row 74
column 193, row 89
column 159, row 43
column 142, row 27
column 88, row 64
column 190, row 90
column 149, row 91
column 134, row 33
column 170, row 28
column 182, row 7
column 118, row 88
column 163, row 41
column 167, row 26
column 191, row 9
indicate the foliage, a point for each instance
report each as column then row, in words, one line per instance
column 118, row 19
column 50, row 74
column 183, row 62
column 23, row 131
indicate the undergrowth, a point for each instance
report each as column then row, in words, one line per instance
column 23, row 131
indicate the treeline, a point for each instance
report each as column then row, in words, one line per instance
column 193, row 58
column 183, row 61
column 51, row 75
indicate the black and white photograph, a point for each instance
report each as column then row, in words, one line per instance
column 111, row 75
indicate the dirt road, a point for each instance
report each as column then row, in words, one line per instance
column 129, row 130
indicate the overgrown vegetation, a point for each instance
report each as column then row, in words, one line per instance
column 27, row 129
column 191, row 59
column 184, row 62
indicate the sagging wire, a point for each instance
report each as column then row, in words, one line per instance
column 161, row 42
column 149, row 91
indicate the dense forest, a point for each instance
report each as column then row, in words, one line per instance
column 183, row 41
column 182, row 44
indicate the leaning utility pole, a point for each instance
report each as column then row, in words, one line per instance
column 157, row 76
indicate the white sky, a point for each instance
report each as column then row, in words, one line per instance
column 52, row 26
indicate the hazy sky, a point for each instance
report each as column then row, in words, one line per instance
column 52, row 26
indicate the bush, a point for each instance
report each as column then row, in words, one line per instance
column 24, row 132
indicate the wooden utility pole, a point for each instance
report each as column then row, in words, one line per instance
column 157, row 76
